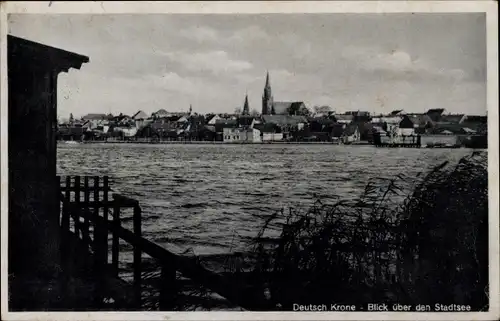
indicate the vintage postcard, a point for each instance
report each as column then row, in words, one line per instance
column 249, row 160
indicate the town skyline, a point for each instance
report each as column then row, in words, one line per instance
column 349, row 62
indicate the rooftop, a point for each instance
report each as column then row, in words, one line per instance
column 43, row 55
column 284, row 119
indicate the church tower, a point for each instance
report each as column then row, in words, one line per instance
column 246, row 107
column 267, row 98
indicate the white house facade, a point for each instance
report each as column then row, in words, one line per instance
column 239, row 135
column 272, row 137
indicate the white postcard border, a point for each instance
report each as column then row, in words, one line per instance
column 224, row 7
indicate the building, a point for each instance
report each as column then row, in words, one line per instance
column 343, row 118
column 160, row 113
column 246, row 121
column 241, row 135
column 361, row 116
column 453, row 118
column 321, row 124
column 183, row 119
column 286, row 123
column 292, row 108
column 435, row 113
column 140, row 118
column 126, row 131
column 406, row 127
column 421, row 122
column 270, row 107
column 69, row 132
column 271, row 136
column 351, row 134
column 94, row 120
column 246, row 107
column 34, row 237
column 195, row 129
column 212, row 119
column 270, row 132
column 476, row 119
column 161, row 129
column 222, row 124
column 94, row 117
column 267, row 98
column 477, row 123
column 398, row 112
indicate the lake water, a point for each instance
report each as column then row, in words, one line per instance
column 212, row 198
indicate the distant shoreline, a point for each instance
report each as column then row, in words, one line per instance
column 210, row 143
column 362, row 143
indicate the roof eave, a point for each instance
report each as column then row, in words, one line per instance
column 47, row 56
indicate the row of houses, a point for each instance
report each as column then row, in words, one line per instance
column 433, row 122
column 342, row 128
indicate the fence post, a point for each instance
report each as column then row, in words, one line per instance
column 86, row 210
column 59, row 199
column 116, row 241
column 95, row 214
column 65, row 222
column 105, row 216
column 168, row 286
column 100, row 231
column 100, row 242
column 65, row 218
column 137, row 255
column 64, row 225
column 77, row 204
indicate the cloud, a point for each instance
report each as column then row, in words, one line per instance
column 347, row 61
column 249, row 34
column 287, row 81
column 201, row 34
column 398, row 64
column 216, row 62
column 171, row 81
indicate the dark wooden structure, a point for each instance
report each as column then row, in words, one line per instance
column 34, row 238
column 93, row 219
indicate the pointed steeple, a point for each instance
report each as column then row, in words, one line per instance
column 246, row 107
column 267, row 97
column 190, row 109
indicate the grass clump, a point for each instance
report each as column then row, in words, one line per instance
column 403, row 240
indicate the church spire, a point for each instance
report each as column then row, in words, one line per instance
column 246, row 107
column 267, row 97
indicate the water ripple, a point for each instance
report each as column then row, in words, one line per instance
column 214, row 198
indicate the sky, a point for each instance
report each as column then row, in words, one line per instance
column 371, row 62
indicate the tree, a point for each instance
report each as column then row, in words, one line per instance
column 71, row 118
column 322, row 109
column 299, row 110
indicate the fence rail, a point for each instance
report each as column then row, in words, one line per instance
column 89, row 205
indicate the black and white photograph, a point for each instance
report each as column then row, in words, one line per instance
column 207, row 161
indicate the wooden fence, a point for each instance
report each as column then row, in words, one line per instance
column 87, row 205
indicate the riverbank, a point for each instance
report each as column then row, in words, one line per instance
column 166, row 142
column 201, row 142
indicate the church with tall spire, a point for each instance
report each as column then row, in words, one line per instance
column 271, row 107
column 267, row 98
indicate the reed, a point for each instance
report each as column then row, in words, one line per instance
column 404, row 240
